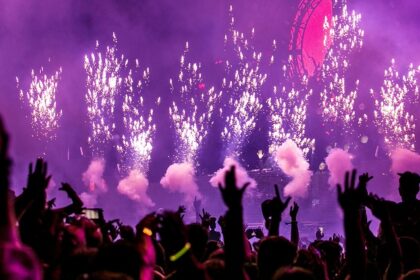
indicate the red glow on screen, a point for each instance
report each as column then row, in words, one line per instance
column 314, row 51
column 307, row 42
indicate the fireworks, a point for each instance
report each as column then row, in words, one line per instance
column 391, row 115
column 136, row 141
column 103, row 84
column 346, row 36
column 192, row 113
column 41, row 98
column 243, row 83
column 288, row 112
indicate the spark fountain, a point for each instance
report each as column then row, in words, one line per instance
column 41, row 99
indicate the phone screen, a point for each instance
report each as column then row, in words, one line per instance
column 92, row 214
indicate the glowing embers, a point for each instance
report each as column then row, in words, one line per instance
column 136, row 143
column 337, row 101
column 192, row 109
column 41, row 98
column 242, row 83
column 392, row 104
column 103, row 82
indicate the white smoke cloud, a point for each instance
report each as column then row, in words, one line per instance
column 180, row 177
column 405, row 160
column 291, row 161
column 135, row 186
column 338, row 162
column 242, row 176
column 93, row 176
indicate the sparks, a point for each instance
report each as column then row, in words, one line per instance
column 288, row 113
column 103, row 84
column 391, row 115
column 139, row 129
column 192, row 113
column 41, row 98
column 337, row 101
column 243, row 82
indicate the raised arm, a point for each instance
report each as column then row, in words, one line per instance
column 350, row 200
column 233, row 232
column 277, row 207
column 17, row 261
column 75, row 206
column 34, row 196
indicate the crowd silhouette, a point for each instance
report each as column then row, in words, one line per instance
column 39, row 241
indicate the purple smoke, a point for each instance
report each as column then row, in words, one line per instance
column 338, row 162
column 93, row 179
column 134, row 186
column 180, row 177
column 405, row 160
column 291, row 161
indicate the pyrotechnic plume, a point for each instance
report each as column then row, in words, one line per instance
column 94, row 181
column 291, row 160
column 241, row 175
column 138, row 128
column 134, row 186
column 93, row 176
column 41, row 98
column 180, row 177
column 103, row 83
column 192, row 109
column 391, row 116
column 338, row 163
column 344, row 36
column 288, row 113
column 405, row 160
column 242, row 83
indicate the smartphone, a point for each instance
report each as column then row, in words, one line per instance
column 92, row 213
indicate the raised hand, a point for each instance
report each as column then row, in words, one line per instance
column 277, row 205
column 205, row 218
column 350, row 198
column 231, row 194
column 363, row 180
column 37, row 178
column 294, row 209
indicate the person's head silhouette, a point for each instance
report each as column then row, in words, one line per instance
column 409, row 186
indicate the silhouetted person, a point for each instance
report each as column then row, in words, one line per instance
column 405, row 215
